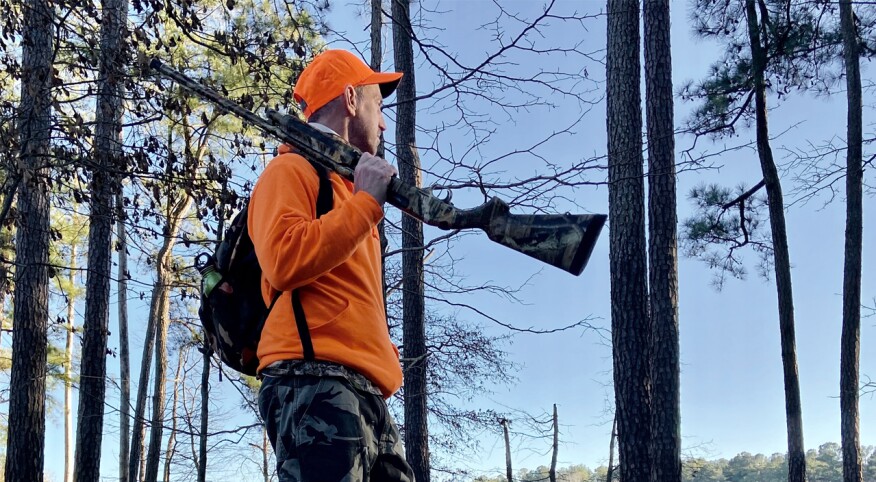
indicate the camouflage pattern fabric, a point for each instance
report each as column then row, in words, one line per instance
column 321, row 369
column 324, row 429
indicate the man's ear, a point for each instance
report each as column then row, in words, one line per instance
column 351, row 101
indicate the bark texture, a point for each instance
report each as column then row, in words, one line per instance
column 775, row 200
column 851, row 332
column 27, row 403
column 205, row 416
column 107, row 155
column 626, row 204
column 663, row 247
column 413, row 304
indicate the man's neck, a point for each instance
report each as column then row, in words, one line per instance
column 338, row 128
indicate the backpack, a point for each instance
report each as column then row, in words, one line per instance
column 232, row 309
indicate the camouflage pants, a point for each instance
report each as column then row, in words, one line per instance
column 325, row 430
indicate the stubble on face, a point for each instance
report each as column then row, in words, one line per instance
column 365, row 126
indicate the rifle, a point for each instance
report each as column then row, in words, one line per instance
column 561, row 240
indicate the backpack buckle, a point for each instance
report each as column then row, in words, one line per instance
column 202, row 260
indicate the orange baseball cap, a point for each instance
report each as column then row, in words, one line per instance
column 330, row 72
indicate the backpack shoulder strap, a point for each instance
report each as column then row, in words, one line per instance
column 324, row 204
column 325, row 198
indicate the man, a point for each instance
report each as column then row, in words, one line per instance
column 326, row 378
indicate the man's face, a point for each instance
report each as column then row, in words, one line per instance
column 367, row 124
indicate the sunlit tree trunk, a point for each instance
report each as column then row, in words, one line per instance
column 161, row 291
column 178, row 384
column 136, row 463
column 68, row 373
column 124, row 354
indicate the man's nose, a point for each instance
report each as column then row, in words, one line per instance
column 382, row 123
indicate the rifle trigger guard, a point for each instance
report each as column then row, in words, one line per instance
column 437, row 188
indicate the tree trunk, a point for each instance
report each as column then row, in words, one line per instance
column 663, row 248
column 376, row 63
column 610, row 473
column 509, row 472
column 171, row 439
column 124, row 355
column 141, row 455
column 27, row 403
column 796, row 455
column 135, row 465
column 107, row 153
column 205, row 417
column 161, row 300
column 413, row 304
column 68, row 372
column 266, row 474
column 626, row 203
column 851, row 332
column 556, row 447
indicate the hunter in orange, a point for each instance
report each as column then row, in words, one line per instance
column 325, row 354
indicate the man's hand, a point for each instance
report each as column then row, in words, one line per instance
column 372, row 175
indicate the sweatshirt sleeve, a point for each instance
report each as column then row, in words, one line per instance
column 294, row 248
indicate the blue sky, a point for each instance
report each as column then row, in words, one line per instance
column 732, row 390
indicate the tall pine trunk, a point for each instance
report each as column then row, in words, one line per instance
column 626, row 205
column 178, row 384
column 201, row 457
column 205, row 415
column 851, row 332
column 609, row 476
column 376, row 64
column 413, row 301
column 555, row 448
column 68, row 372
column 161, row 294
column 663, row 248
column 107, row 153
column 135, row 464
column 793, row 410
column 161, row 299
column 509, row 471
column 124, row 355
column 27, row 403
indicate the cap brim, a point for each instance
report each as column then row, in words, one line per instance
column 387, row 81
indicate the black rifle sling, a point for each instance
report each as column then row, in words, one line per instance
column 324, row 204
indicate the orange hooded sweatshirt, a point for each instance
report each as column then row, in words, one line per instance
column 334, row 261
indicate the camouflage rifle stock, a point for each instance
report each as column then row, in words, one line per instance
column 561, row 240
